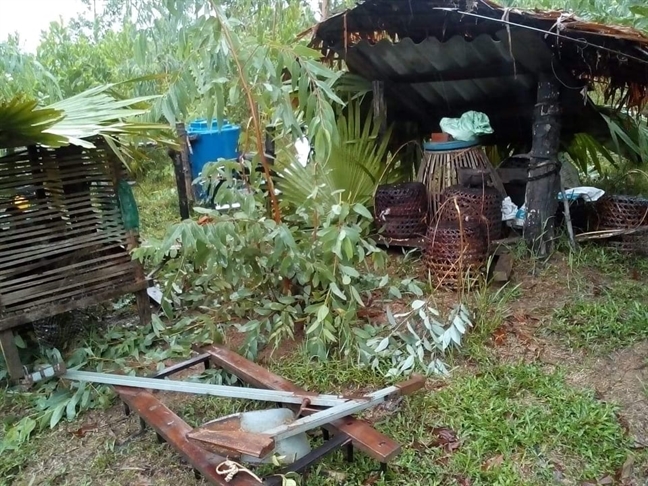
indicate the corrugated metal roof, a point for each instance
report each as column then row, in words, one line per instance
column 432, row 79
column 437, row 60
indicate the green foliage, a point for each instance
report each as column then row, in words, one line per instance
column 71, row 121
column 417, row 342
column 302, row 273
column 78, row 63
column 633, row 13
column 23, row 74
column 351, row 172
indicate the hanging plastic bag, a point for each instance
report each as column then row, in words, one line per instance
column 468, row 128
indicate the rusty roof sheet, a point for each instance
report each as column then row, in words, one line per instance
column 443, row 57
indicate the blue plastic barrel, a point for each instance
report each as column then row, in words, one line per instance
column 210, row 144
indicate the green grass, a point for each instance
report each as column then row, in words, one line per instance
column 157, row 201
column 611, row 311
column 529, row 423
column 516, row 425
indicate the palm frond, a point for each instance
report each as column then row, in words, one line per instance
column 74, row 120
column 357, row 164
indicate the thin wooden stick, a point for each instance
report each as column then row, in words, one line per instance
column 568, row 221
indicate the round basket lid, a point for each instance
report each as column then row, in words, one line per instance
column 453, row 145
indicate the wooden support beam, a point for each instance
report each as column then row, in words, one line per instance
column 11, row 357
column 182, row 170
column 363, row 435
column 174, row 431
column 379, row 106
column 544, row 169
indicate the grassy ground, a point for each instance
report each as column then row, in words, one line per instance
column 158, row 204
column 548, row 389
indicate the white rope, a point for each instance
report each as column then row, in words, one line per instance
column 229, row 469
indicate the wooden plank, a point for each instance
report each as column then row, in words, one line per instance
column 503, row 268
column 44, row 180
column 65, row 282
column 65, row 232
column 49, row 275
column 69, row 257
column 232, row 442
column 10, row 352
column 35, row 313
column 363, row 435
column 63, row 246
column 41, row 231
column 184, row 162
column 174, row 431
column 108, row 281
column 61, row 172
column 182, row 172
column 48, row 214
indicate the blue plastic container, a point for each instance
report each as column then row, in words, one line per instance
column 211, row 143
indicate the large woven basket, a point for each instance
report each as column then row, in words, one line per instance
column 480, row 204
column 406, row 199
column 624, row 212
column 455, row 251
column 401, row 210
column 439, row 169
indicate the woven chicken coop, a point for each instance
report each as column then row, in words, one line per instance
column 63, row 241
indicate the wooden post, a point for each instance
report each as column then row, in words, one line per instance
column 379, row 107
column 184, row 162
column 132, row 242
column 544, row 169
column 10, row 352
column 269, row 144
column 181, row 186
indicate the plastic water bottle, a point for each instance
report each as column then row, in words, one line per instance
column 520, row 216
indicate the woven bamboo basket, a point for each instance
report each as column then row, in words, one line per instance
column 624, row 212
column 439, row 169
column 480, row 204
column 455, row 251
column 401, row 210
column 405, row 199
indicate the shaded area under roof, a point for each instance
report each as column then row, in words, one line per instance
column 437, row 62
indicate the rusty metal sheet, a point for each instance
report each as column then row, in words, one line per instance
column 363, row 435
column 174, row 431
column 233, row 442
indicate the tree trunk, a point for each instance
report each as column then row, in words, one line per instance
column 324, row 10
column 544, row 169
column 379, row 108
